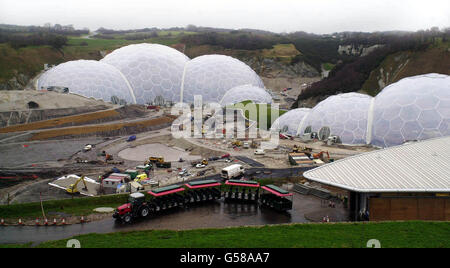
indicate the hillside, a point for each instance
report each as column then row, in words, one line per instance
column 435, row 59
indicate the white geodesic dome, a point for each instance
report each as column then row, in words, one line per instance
column 414, row 108
column 343, row 115
column 88, row 78
column 153, row 70
column 290, row 121
column 246, row 93
column 213, row 75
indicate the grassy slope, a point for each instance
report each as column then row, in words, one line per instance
column 30, row 60
column 77, row 206
column 413, row 234
column 435, row 59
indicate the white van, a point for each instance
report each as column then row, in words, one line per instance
column 232, row 171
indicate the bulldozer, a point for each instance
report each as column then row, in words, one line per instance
column 72, row 189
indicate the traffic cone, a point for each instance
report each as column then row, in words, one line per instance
column 54, row 221
column 2, row 222
column 82, row 219
column 37, row 222
column 20, row 222
column 46, row 222
column 63, row 221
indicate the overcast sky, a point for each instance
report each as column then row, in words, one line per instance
column 317, row 16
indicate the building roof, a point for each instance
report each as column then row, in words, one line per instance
column 415, row 167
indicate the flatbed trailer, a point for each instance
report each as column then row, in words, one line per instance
column 241, row 190
column 276, row 198
column 202, row 191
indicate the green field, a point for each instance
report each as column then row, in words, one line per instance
column 77, row 206
column 414, row 234
column 248, row 106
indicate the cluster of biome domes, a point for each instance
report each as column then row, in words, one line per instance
column 414, row 108
column 149, row 73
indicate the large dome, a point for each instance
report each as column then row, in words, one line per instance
column 88, row 78
column 153, row 70
column 213, row 75
column 414, row 108
column 244, row 93
column 291, row 121
column 343, row 115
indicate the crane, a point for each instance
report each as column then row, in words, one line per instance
column 72, row 189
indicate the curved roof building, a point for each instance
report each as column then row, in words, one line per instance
column 244, row 93
column 213, row 75
column 414, row 108
column 89, row 78
column 153, row 70
column 291, row 121
column 343, row 115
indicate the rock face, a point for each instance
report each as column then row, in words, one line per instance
column 272, row 68
column 357, row 50
column 18, row 82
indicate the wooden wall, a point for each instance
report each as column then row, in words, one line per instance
column 409, row 208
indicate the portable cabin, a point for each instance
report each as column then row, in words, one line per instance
column 132, row 172
column 276, row 198
column 166, row 197
column 241, row 190
column 204, row 190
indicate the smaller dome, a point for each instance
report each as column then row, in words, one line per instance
column 246, row 93
column 211, row 76
column 89, row 78
column 290, row 121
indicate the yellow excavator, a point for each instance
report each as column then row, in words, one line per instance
column 72, row 189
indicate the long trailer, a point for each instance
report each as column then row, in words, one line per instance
column 141, row 206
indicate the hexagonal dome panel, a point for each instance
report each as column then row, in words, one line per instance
column 344, row 114
column 289, row 122
column 88, row 78
column 419, row 105
column 213, row 75
column 153, row 70
column 244, row 93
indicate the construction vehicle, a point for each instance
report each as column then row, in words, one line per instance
column 141, row 177
column 254, row 144
column 237, row 143
column 72, row 189
column 154, row 159
column 233, row 171
column 108, row 157
column 320, row 155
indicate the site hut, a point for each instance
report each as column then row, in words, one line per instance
column 204, row 190
column 239, row 190
column 276, row 198
column 166, row 197
column 405, row 182
column 132, row 172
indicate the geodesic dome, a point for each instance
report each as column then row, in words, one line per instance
column 152, row 70
column 343, row 115
column 244, row 93
column 213, row 75
column 88, row 78
column 414, row 108
column 290, row 121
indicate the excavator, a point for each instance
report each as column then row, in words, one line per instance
column 72, row 189
column 159, row 161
